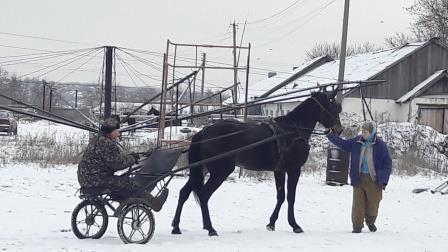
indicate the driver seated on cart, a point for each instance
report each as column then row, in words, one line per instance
column 103, row 157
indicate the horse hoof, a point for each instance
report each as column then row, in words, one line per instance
column 270, row 227
column 212, row 233
column 297, row 230
column 176, row 231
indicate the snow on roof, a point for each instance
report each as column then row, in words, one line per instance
column 357, row 67
column 422, row 86
column 263, row 86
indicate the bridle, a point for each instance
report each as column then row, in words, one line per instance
column 324, row 109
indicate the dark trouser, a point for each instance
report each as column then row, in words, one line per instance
column 366, row 201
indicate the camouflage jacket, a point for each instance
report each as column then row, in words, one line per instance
column 101, row 159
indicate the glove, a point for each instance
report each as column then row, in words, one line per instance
column 136, row 156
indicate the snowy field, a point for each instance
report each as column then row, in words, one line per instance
column 37, row 205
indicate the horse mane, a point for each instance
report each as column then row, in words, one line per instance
column 301, row 111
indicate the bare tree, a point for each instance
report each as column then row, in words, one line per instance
column 399, row 39
column 431, row 19
column 334, row 49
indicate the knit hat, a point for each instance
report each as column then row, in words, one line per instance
column 368, row 126
column 109, row 125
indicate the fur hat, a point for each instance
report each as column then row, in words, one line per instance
column 109, row 125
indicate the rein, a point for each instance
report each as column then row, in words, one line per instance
column 323, row 108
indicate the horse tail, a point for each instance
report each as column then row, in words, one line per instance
column 196, row 173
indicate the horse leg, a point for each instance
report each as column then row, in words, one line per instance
column 183, row 196
column 293, row 179
column 213, row 183
column 280, row 186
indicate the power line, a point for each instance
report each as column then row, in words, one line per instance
column 48, row 39
column 76, row 69
column 134, row 71
column 316, row 13
column 69, row 61
column 40, row 58
column 280, row 13
column 122, row 65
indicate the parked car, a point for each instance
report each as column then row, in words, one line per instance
column 8, row 123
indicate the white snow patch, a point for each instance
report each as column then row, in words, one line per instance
column 37, row 204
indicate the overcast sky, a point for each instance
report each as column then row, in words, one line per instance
column 278, row 42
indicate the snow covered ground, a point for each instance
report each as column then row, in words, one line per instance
column 37, row 205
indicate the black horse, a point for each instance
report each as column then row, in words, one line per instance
column 284, row 156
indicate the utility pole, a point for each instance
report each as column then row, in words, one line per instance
column 235, row 70
column 108, row 82
column 203, row 78
column 343, row 50
column 51, row 98
column 43, row 94
column 247, row 84
column 76, row 98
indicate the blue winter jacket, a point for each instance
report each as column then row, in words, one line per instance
column 381, row 158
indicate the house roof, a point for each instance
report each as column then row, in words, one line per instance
column 269, row 85
column 424, row 85
column 359, row 67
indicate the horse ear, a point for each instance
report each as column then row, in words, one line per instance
column 333, row 93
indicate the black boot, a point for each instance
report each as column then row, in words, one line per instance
column 372, row 227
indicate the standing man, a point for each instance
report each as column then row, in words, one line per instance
column 370, row 168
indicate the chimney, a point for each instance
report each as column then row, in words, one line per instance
column 271, row 74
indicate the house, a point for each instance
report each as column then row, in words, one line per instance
column 415, row 87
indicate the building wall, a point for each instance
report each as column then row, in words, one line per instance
column 389, row 110
column 408, row 73
column 382, row 109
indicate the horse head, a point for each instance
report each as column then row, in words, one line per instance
column 329, row 109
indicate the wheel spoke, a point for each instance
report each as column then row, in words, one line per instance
column 94, row 212
column 88, row 230
column 132, row 234
column 135, row 214
column 97, row 225
column 142, row 233
column 142, row 214
column 144, row 219
column 127, row 222
column 81, row 221
column 85, row 211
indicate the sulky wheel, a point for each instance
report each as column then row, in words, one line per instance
column 136, row 224
column 89, row 220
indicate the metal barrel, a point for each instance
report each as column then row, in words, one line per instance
column 337, row 166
